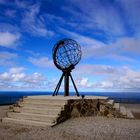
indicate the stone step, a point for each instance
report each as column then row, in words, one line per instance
column 123, row 111
column 26, row 122
column 49, row 101
column 116, row 106
column 32, row 117
column 34, row 110
column 111, row 102
column 41, row 105
column 130, row 114
column 47, row 97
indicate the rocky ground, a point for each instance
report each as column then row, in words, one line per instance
column 84, row 128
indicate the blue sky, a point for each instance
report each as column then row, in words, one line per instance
column 108, row 32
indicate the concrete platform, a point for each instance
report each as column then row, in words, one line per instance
column 48, row 97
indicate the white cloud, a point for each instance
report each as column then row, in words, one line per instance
column 122, row 58
column 15, row 70
column 33, row 23
column 32, row 53
column 104, row 85
column 16, row 78
column 34, row 78
column 111, row 78
column 8, row 39
column 7, row 58
column 129, row 81
column 127, row 44
column 84, row 82
column 44, row 62
column 99, row 70
column 7, row 55
column 14, row 74
column 116, row 78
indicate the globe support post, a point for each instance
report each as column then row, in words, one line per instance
column 66, row 83
column 58, row 85
column 74, row 85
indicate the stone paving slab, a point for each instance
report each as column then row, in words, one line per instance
column 66, row 97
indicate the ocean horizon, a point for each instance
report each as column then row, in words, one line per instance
column 10, row 97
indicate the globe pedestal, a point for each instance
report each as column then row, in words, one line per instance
column 66, row 75
column 66, row 83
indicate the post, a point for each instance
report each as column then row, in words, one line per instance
column 66, row 83
column 74, row 85
column 58, row 86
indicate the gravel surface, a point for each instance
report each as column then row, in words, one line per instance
column 87, row 128
column 133, row 107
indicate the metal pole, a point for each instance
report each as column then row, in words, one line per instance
column 66, row 83
column 58, row 86
column 74, row 85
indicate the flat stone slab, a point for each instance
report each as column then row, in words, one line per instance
column 32, row 117
column 26, row 122
column 66, row 97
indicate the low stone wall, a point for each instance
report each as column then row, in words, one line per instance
column 87, row 107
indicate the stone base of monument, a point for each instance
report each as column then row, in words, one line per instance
column 52, row 110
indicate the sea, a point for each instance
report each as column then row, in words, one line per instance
column 10, row 97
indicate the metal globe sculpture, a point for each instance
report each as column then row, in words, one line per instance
column 66, row 55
